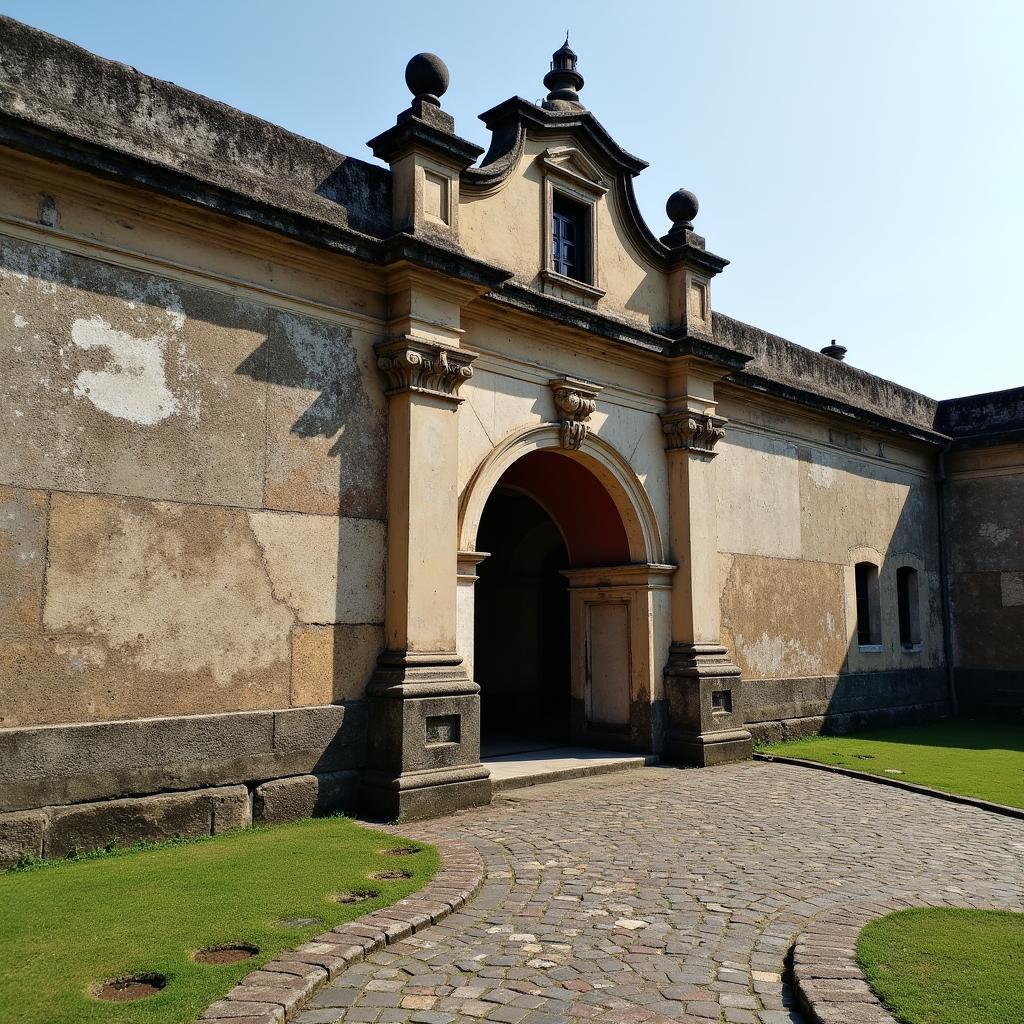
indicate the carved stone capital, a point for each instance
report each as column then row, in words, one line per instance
column 412, row 364
column 575, row 402
column 693, row 432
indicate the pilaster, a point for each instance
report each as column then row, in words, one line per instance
column 703, row 688
column 424, row 707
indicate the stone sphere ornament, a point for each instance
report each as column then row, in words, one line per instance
column 682, row 207
column 426, row 75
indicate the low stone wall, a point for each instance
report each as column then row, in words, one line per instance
column 82, row 787
column 990, row 692
column 66, row 764
column 55, row 832
column 786, row 709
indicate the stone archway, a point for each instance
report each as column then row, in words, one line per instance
column 566, row 625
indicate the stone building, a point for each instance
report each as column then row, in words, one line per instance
column 313, row 469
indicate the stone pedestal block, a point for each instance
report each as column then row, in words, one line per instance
column 424, row 739
column 705, row 705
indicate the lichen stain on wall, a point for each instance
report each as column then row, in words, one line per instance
column 783, row 618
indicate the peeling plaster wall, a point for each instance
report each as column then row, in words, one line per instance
column 799, row 502
column 191, row 494
column 986, row 531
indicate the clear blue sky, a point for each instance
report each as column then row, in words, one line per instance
column 861, row 164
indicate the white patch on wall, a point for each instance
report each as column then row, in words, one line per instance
column 821, row 475
column 133, row 384
column 993, row 533
column 1011, row 585
column 771, row 657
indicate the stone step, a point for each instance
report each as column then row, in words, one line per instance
column 517, row 771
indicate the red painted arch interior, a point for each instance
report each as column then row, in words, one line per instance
column 577, row 501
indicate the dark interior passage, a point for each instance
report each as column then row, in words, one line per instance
column 521, row 641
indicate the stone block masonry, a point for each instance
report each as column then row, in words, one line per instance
column 55, row 832
column 81, row 787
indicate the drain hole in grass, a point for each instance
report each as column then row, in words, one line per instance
column 356, row 896
column 124, row 990
column 401, row 851
column 225, row 954
column 299, row 922
column 384, row 875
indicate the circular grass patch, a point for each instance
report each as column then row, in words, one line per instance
column 226, row 954
column 939, row 965
column 356, row 895
column 127, row 990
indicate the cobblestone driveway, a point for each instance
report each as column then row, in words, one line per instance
column 661, row 894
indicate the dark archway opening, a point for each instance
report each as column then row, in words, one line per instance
column 521, row 640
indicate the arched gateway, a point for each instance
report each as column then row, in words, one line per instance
column 560, row 619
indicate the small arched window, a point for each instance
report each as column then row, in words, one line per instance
column 869, row 622
column 908, row 604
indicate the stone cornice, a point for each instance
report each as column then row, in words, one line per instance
column 412, row 364
column 693, row 432
column 575, row 402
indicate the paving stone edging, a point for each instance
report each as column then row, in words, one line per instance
column 829, row 984
column 278, row 990
column 885, row 780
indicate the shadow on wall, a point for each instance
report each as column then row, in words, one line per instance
column 335, row 395
column 814, row 657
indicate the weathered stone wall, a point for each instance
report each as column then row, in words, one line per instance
column 171, row 503
column 192, row 506
column 800, row 502
column 986, row 532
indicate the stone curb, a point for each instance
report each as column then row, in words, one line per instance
column 829, row 984
column 884, row 780
column 279, row 989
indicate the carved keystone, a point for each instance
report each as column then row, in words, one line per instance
column 575, row 401
column 411, row 364
column 693, row 432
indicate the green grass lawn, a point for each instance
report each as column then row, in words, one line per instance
column 979, row 759
column 67, row 926
column 942, row 966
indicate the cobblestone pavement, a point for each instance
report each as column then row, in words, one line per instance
column 667, row 895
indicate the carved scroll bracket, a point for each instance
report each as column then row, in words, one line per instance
column 693, row 432
column 412, row 364
column 575, row 402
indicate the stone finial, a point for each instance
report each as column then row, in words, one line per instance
column 693, row 432
column 682, row 207
column 834, row 351
column 575, row 402
column 426, row 75
column 563, row 80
